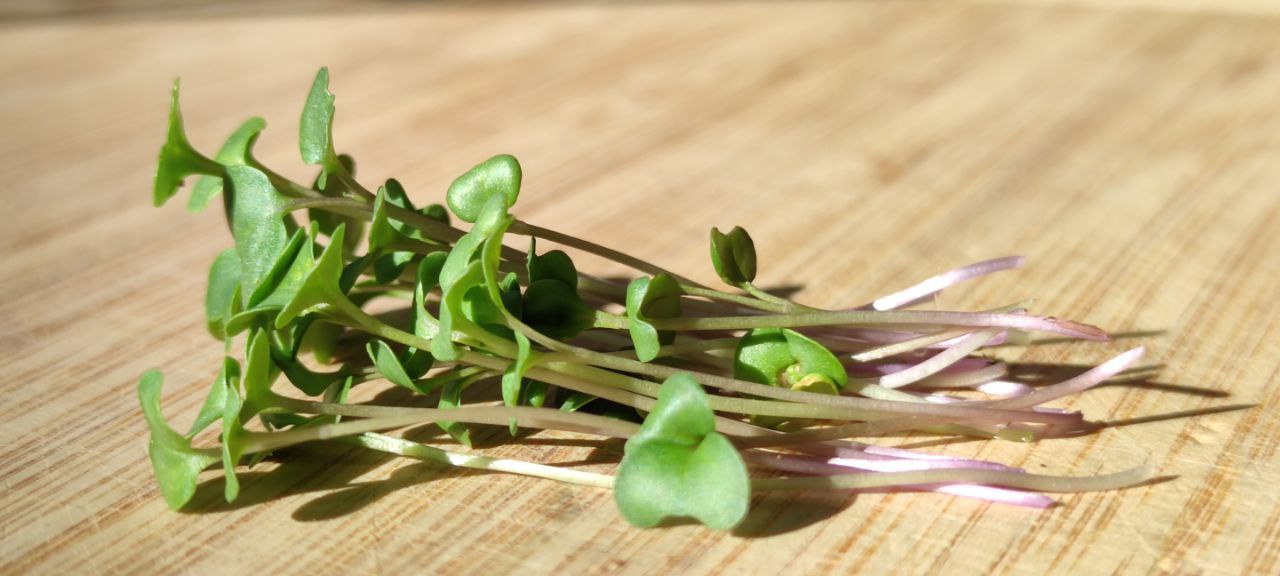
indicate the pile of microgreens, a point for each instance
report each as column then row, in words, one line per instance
column 789, row 384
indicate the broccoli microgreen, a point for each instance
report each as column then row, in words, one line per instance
column 715, row 384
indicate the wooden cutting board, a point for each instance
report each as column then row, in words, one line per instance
column 1133, row 155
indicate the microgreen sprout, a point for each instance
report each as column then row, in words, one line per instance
column 733, row 385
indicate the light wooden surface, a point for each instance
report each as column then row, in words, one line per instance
column 1133, row 155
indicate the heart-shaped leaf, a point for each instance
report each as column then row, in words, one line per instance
column 497, row 176
column 678, row 466
column 734, row 256
column 178, row 159
column 648, row 298
column 236, row 151
column 175, row 462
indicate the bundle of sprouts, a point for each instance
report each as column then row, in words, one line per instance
column 719, row 393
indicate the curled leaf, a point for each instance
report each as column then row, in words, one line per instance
column 734, row 256
column 648, row 298
column 784, row 357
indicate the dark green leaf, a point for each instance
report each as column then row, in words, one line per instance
column 554, row 308
column 678, row 466
column 577, row 400
column 734, row 256
column 497, row 176
column 554, row 265
column 388, row 267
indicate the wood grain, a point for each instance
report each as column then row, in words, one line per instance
column 1134, row 157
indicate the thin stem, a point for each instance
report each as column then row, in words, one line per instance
column 526, row 229
column 894, row 317
column 402, row 447
column 1007, row 478
column 735, row 299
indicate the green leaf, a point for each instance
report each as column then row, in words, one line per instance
column 388, row 267
column 814, row 358
column 221, row 299
column 534, row 393
column 320, row 285
column 554, row 265
column 451, row 397
column 215, row 402
column 734, row 256
column 315, row 130
column 286, row 274
column 556, row 309
column 236, row 151
column 321, row 338
column 233, row 434
column 381, row 234
column 577, row 400
column 176, row 464
column 259, row 374
column 678, row 466
column 649, row 298
column 784, row 357
column 178, row 159
column 455, row 313
column 497, row 176
column 329, row 221
column 435, row 212
column 424, row 324
column 388, row 364
column 514, row 374
column 258, row 228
